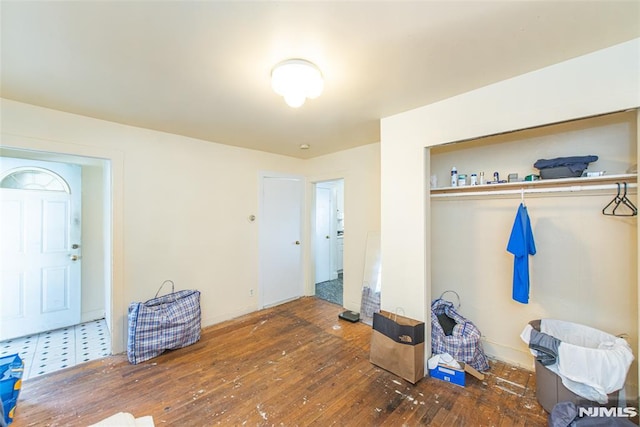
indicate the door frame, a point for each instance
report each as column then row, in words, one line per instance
column 310, row 260
column 262, row 175
column 111, row 163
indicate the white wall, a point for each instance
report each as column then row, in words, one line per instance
column 603, row 81
column 180, row 206
column 93, row 266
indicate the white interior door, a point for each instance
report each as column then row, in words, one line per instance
column 323, row 234
column 40, row 212
column 280, row 240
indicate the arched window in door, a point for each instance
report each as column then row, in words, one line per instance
column 32, row 178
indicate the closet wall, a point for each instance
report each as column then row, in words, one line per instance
column 596, row 83
column 585, row 269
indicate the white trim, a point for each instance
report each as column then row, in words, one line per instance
column 113, row 175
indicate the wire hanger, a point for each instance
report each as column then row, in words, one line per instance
column 621, row 200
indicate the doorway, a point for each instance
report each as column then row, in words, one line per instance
column 328, row 236
column 93, row 251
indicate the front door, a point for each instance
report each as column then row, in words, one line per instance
column 280, row 240
column 40, row 212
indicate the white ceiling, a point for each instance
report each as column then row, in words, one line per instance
column 201, row 69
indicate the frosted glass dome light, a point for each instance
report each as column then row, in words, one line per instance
column 296, row 80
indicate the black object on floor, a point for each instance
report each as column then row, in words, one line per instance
column 351, row 316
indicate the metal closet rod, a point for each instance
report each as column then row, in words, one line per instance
column 520, row 191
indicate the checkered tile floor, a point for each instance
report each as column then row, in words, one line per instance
column 54, row 350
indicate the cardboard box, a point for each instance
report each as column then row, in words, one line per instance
column 448, row 374
column 454, row 375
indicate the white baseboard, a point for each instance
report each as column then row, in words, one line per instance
column 214, row 320
column 512, row 356
column 89, row 316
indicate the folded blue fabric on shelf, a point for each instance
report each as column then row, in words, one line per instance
column 574, row 163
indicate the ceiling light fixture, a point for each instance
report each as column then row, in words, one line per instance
column 296, row 80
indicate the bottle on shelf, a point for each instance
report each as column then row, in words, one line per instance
column 454, row 177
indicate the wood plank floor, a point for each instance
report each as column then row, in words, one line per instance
column 294, row 364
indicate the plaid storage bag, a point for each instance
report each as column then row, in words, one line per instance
column 462, row 341
column 167, row 322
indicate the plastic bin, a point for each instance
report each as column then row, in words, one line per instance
column 591, row 365
column 550, row 390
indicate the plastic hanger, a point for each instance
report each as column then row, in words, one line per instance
column 615, row 200
column 621, row 200
column 628, row 203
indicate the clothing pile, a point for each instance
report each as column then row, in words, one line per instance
column 564, row 167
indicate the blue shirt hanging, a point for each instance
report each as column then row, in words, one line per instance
column 521, row 245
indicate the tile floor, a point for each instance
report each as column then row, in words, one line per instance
column 331, row 290
column 54, row 350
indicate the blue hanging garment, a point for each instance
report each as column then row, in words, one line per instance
column 521, row 245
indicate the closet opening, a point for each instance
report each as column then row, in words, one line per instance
column 585, row 266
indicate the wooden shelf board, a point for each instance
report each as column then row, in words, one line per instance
column 543, row 183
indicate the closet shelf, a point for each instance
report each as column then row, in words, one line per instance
column 541, row 186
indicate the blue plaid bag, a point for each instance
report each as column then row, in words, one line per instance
column 167, row 322
column 462, row 341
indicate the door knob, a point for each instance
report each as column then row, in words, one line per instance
column 74, row 257
column 297, row 242
column 327, row 237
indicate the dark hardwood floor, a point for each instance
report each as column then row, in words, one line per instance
column 294, row 364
